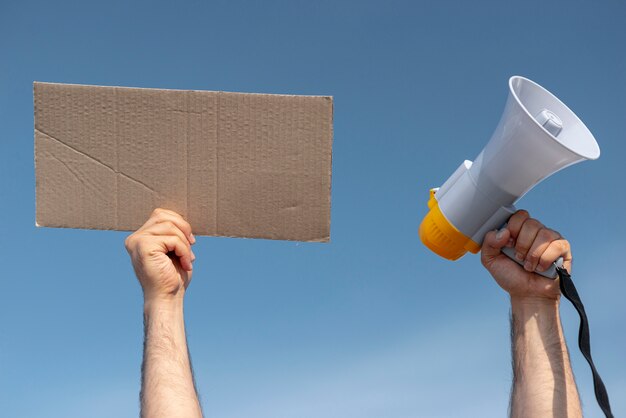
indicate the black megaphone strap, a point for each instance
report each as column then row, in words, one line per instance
column 569, row 291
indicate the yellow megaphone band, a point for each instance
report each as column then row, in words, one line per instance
column 441, row 237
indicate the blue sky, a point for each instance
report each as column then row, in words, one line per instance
column 371, row 324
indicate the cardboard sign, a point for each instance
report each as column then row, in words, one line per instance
column 232, row 164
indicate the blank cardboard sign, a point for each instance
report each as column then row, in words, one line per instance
column 233, row 164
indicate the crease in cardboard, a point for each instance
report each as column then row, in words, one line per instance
column 255, row 165
column 95, row 160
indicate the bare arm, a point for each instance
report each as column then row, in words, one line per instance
column 161, row 254
column 543, row 382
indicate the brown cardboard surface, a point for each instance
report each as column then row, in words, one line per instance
column 233, row 164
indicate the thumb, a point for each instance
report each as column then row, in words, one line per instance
column 493, row 243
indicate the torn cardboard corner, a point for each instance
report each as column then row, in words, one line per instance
column 233, row 164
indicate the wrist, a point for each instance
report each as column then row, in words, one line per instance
column 525, row 306
column 165, row 304
column 534, row 301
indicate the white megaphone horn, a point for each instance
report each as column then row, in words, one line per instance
column 537, row 136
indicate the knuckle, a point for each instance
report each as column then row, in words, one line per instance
column 129, row 242
column 546, row 234
column 522, row 246
column 517, row 220
column 522, row 213
column 183, row 243
column 545, row 263
column 564, row 245
column 555, row 234
column 169, row 226
column 533, row 256
column 532, row 222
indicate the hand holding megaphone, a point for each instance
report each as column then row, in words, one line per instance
column 537, row 136
column 550, row 273
column 542, row 244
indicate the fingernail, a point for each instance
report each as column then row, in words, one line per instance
column 500, row 234
column 519, row 256
column 192, row 239
column 510, row 243
column 528, row 266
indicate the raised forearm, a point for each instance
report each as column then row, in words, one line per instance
column 543, row 382
column 167, row 381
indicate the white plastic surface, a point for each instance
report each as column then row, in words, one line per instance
column 551, row 122
column 520, row 153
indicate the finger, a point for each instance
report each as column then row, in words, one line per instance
column 167, row 228
column 167, row 211
column 129, row 242
column 557, row 248
column 162, row 215
column 526, row 237
column 493, row 243
column 172, row 243
column 544, row 238
column 516, row 221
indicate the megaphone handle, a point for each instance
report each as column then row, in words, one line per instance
column 550, row 273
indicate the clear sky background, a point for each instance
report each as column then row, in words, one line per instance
column 371, row 324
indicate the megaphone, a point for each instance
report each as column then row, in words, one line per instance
column 537, row 136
